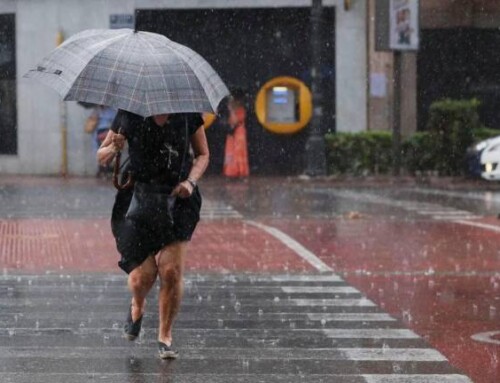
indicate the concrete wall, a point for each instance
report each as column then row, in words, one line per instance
column 39, row 108
column 351, row 70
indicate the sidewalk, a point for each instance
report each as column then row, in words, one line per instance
column 87, row 245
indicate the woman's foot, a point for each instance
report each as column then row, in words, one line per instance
column 165, row 351
column 133, row 323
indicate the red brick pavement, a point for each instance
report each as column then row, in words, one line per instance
column 442, row 279
column 38, row 245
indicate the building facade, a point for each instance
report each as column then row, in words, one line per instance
column 249, row 42
column 33, row 133
column 457, row 59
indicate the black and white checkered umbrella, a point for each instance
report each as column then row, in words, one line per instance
column 141, row 72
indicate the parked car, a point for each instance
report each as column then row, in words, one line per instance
column 483, row 159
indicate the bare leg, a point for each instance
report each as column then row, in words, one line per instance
column 140, row 281
column 170, row 269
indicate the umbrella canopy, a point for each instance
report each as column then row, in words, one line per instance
column 141, row 72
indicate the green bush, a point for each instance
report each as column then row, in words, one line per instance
column 420, row 153
column 371, row 152
column 359, row 153
column 451, row 126
column 484, row 133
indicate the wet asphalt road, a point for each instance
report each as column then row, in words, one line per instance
column 262, row 198
column 233, row 328
column 408, row 256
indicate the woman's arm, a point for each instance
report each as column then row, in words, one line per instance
column 201, row 154
column 201, row 160
column 112, row 144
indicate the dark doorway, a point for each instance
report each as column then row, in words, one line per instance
column 460, row 63
column 8, row 97
column 248, row 47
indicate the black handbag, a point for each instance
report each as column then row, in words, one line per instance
column 153, row 203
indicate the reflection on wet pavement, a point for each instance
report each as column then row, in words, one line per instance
column 231, row 328
column 425, row 262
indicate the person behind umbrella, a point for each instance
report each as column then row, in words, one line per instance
column 159, row 158
column 98, row 125
column 236, row 151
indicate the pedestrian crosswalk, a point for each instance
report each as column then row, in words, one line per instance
column 218, row 209
column 427, row 210
column 231, row 328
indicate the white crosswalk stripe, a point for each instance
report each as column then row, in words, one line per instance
column 394, row 354
column 333, row 302
column 434, row 211
column 319, row 289
column 371, row 333
column 212, row 209
column 355, row 317
column 421, row 378
column 225, row 320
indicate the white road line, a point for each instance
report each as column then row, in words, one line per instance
column 305, row 278
column 487, row 337
column 371, row 333
column 394, row 354
column 291, row 243
column 420, row 378
column 422, row 207
column 320, row 289
column 224, row 377
column 494, row 228
column 425, row 209
column 480, row 196
column 456, row 218
column 344, row 354
column 444, row 212
column 218, row 210
column 363, row 302
column 351, row 317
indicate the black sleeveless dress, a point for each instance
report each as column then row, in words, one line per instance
column 156, row 156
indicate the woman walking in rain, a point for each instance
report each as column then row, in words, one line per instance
column 160, row 88
column 151, row 247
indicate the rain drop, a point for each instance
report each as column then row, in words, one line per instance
column 493, row 312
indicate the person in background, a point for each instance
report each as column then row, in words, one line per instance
column 98, row 125
column 236, row 150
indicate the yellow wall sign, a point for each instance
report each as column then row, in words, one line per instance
column 284, row 105
column 208, row 119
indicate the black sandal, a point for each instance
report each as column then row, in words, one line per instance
column 166, row 352
column 131, row 328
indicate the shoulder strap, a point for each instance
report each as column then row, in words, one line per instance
column 186, row 147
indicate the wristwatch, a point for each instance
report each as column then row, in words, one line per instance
column 192, row 182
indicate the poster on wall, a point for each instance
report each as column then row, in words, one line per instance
column 404, row 24
column 121, row 21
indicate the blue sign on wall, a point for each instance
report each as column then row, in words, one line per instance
column 121, row 21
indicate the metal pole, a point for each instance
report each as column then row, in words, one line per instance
column 396, row 118
column 63, row 118
column 315, row 145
